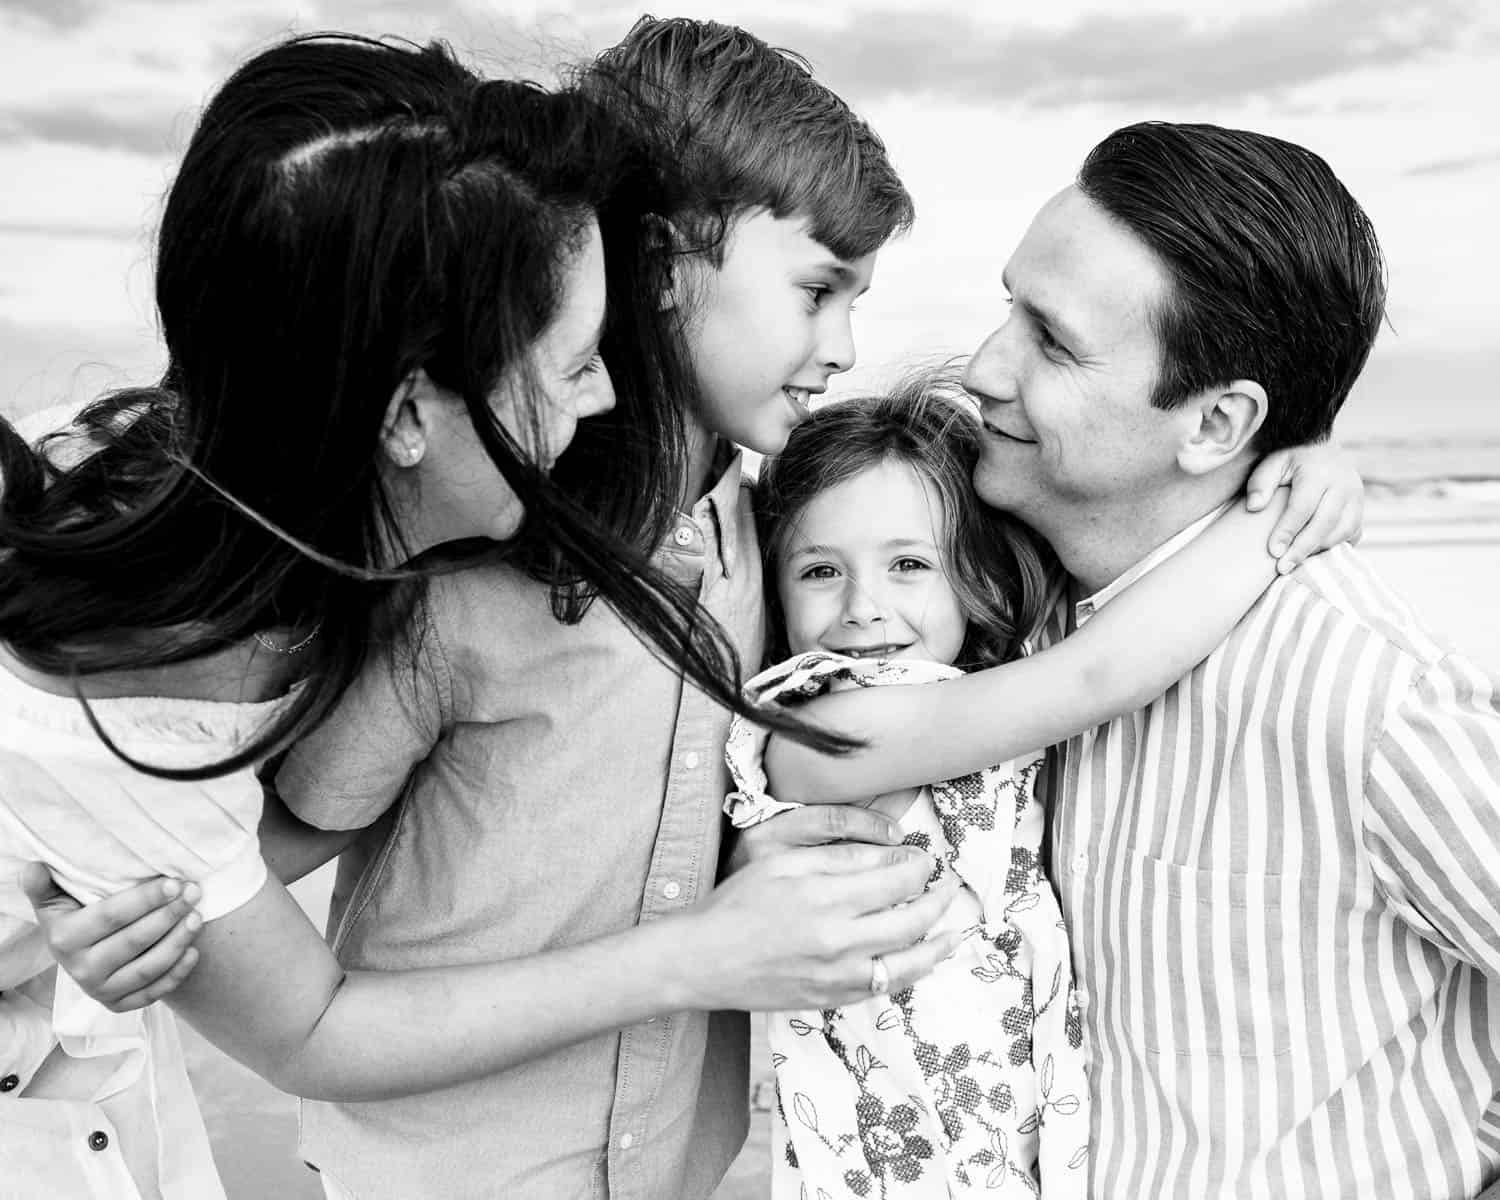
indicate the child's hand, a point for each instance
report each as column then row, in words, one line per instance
column 125, row 951
column 1326, row 505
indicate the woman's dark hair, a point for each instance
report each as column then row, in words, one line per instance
column 1004, row 575
column 347, row 212
column 1275, row 274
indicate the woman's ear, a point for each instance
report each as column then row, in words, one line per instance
column 1228, row 418
column 406, row 426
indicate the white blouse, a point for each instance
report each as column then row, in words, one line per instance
column 113, row 1114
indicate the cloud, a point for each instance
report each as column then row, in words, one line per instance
column 126, row 125
column 1456, row 166
column 1111, row 59
column 103, row 233
column 61, row 15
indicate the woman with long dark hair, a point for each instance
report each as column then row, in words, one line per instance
column 382, row 287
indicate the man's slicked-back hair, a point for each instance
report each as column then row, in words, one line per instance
column 1275, row 274
column 748, row 127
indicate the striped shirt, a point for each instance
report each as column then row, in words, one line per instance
column 1282, row 884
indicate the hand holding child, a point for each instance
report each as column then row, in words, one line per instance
column 126, row 951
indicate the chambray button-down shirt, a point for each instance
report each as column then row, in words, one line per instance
column 549, row 785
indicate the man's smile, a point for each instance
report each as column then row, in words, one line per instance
column 1009, row 437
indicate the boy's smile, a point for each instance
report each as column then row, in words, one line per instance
column 768, row 329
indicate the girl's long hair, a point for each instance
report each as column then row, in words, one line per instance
column 346, row 213
column 1004, row 574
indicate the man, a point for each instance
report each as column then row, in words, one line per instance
column 1282, row 878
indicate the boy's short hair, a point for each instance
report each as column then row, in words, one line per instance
column 747, row 127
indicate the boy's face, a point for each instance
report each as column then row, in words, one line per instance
column 769, row 328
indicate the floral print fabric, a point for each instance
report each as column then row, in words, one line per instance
column 972, row 1081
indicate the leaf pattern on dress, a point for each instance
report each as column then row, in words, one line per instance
column 971, row 1081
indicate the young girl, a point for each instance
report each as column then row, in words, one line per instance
column 883, row 567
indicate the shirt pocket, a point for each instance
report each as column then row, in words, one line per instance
column 1212, row 969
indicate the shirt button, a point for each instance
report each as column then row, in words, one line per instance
column 10, row 1083
column 1080, row 863
column 672, row 890
column 98, row 1140
column 691, row 760
column 627, row 1141
column 683, row 536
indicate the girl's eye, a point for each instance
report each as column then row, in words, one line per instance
column 821, row 571
column 591, row 367
column 815, row 292
column 910, row 564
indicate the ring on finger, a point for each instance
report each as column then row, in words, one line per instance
column 880, row 977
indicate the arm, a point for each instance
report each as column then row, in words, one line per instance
column 1151, row 635
column 1432, row 812
column 291, row 847
column 791, row 932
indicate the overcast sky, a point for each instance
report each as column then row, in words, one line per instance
column 986, row 114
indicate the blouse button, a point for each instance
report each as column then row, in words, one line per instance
column 627, row 1141
column 672, row 890
column 1080, row 863
column 683, row 536
column 10, row 1083
column 691, row 760
column 98, row 1140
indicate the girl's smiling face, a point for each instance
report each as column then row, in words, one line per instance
column 861, row 572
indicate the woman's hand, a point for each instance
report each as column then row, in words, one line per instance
column 125, row 951
column 801, row 928
column 1325, row 507
column 809, row 825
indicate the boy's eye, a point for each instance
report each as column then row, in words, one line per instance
column 816, row 292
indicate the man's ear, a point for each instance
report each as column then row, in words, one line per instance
column 1227, row 420
column 407, row 425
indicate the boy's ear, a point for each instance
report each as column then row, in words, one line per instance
column 407, row 425
column 1224, row 424
column 665, row 241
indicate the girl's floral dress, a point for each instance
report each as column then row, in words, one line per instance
column 971, row 1081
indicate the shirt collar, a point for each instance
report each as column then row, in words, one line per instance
column 718, row 508
column 1089, row 605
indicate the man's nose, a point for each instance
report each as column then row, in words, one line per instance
column 991, row 372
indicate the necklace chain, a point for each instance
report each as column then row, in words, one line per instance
column 292, row 649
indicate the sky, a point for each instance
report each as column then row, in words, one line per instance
column 986, row 111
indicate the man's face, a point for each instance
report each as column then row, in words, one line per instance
column 1064, row 385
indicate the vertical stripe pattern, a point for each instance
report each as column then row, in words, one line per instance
column 1282, row 884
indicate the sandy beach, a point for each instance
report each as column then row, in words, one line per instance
column 1442, row 554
